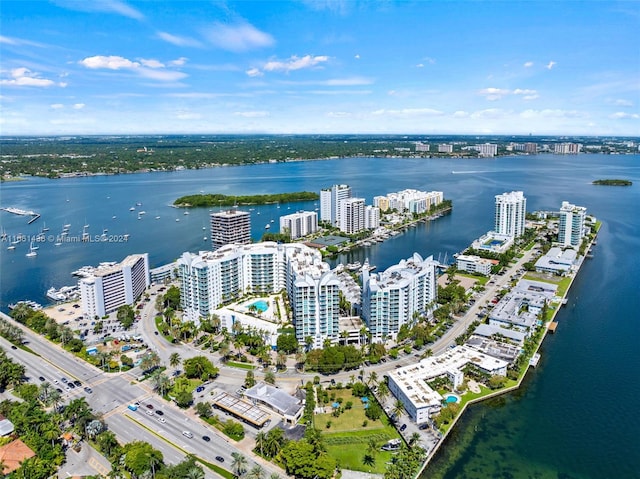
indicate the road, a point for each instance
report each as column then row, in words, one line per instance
column 111, row 393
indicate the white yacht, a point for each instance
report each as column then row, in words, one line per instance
column 32, row 252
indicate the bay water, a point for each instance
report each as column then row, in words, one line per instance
column 576, row 415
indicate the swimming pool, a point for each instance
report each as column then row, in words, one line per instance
column 450, row 398
column 260, row 305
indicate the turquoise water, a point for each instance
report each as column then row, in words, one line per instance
column 561, row 423
column 260, row 305
column 450, row 399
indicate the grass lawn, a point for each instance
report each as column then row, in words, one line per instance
column 347, row 440
column 184, row 384
column 247, row 366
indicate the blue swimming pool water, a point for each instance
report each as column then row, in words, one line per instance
column 261, row 305
column 450, row 399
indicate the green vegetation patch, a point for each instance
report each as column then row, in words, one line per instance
column 216, row 199
column 233, row 364
column 612, row 182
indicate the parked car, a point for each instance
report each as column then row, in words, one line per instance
column 88, row 390
column 219, row 458
column 403, row 427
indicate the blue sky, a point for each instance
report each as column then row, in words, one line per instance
column 319, row 66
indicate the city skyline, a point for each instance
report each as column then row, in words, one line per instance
column 314, row 67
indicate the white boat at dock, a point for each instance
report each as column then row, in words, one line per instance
column 65, row 293
column 32, row 251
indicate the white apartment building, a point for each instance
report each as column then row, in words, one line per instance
column 474, row 264
column 110, row 287
column 422, row 146
column 511, row 209
column 567, row 148
column 351, row 219
column 371, row 217
column 231, row 226
column 487, row 149
column 330, row 203
column 390, row 298
column 299, row 224
column 571, row 227
column 445, row 148
column 413, row 201
column 210, row 279
column 409, row 383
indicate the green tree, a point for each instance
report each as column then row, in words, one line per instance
column 203, row 409
column 249, row 380
column 140, row 457
column 199, row 367
column 239, row 464
column 270, row 377
column 174, row 360
column 287, row 343
column 126, row 315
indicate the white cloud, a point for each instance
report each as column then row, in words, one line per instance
column 19, row 41
column 621, row 102
column 420, row 65
column 238, row 38
column 152, row 63
column 78, row 106
column 56, row 106
column 408, row 112
column 528, row 64
column 550, row 65
column 353, row 81
column 251, row 114
column 111, row 62
column 493, row 94
column 489, row 114
column 152, row 69
column 179, row 40
column 295, row 63
column 551, row 113
column 106, row 6
column 25, row 77
column 621, row 115
column 461, row 114
column 338, row 114
column 178, row 62
column 254, row 72
column 187, row 115
column 357, row 57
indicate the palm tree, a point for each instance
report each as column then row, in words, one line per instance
column 50, row 432
column 383, row 391
column 161, row 382
column 256, row 472
column 270, row 377
column 45, row 392
column 174, row 360
column 398, row 409
column 373, row 378
column 281, row 360
column 224, row 350
column 239, row 464
column 154, row 460
column 368, row 460
column 261, row 439
column 195, row 472
column 414, row 440
column 274, row 475
column 301, row 358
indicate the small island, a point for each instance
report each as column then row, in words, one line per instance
column 613, row 182
column 216, row 199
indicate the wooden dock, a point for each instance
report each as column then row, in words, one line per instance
column 552, row 326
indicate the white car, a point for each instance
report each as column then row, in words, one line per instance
column 149, row 412
column 162, row 420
